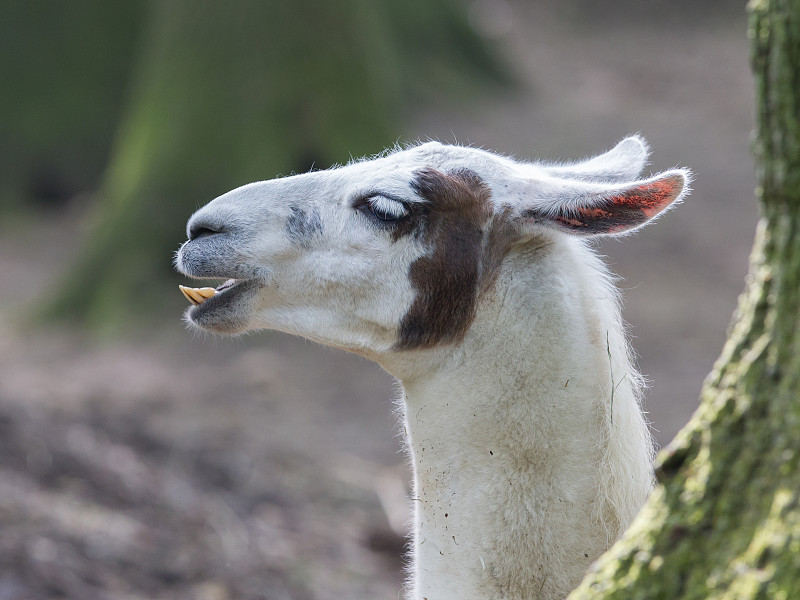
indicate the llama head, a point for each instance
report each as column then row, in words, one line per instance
column 392, row 254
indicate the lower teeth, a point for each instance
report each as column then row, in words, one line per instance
column 197, row 295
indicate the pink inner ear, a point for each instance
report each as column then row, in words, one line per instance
column 623, row 210
column 650, row 198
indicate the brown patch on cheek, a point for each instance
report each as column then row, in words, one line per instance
column 461, row 263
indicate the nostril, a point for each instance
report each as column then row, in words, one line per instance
column 198, row 230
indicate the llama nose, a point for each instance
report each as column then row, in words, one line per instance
column 204, row 229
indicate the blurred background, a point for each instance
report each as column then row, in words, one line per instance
column 139, row 460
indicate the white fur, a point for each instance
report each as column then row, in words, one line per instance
column 530, row 452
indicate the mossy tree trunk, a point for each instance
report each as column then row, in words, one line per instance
column 228, row 93
column 725, row 520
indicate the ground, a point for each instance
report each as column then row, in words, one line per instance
column 167, row 465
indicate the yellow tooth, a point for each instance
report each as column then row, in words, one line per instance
column 187, row 292
column 197, row 295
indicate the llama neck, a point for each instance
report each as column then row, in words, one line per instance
column 510, row 439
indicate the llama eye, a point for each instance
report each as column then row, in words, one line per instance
column 386, row 210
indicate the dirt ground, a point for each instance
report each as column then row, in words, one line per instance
column 167, row 465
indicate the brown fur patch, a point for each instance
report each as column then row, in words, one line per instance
column 465, row 252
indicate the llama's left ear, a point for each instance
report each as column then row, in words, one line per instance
column 624, row 162
column 584, row 208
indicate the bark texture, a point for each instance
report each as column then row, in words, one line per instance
column 724, row 521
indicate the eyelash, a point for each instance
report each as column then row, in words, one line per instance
column 383, row 214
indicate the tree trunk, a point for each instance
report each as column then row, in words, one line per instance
column 724, row 521
column 228, row 93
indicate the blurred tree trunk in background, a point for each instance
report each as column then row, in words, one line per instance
column 228, row 93
column 63, row 73
column 725, row 521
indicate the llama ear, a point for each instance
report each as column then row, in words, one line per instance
column 583, row 208
column 622, row 163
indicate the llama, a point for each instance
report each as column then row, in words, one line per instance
column 467, row 276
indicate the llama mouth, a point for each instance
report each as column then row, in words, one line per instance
column 198, row 296
column 225, row 309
